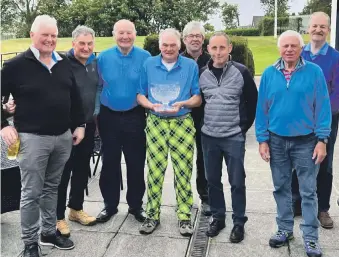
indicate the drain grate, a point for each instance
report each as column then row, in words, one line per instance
column 199, row 243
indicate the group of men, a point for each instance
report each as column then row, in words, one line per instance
column 62, row 100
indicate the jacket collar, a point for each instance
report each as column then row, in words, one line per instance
column 280, row 64
column 70, row 55
column 55, row 56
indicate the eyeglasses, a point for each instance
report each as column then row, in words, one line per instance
column 192, row 36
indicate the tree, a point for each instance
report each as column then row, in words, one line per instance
column 318, row 6
column 230, row 15
column 177, row 13
column 269, row 5
column 209, row 27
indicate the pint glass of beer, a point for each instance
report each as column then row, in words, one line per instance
column 13, row 150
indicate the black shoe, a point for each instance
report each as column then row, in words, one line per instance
column 215, row 227
column 31, row 250
column 237, row 234
column 139, row 214
column 105, row 215
column 205, row 208
column 60, row 242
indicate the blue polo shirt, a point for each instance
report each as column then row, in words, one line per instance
column 322, row 51
column 120, row 75
column 185, row 73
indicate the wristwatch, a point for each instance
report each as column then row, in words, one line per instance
column 323, row 140
column 82, row 125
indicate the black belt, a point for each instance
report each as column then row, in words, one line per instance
column 135, row 109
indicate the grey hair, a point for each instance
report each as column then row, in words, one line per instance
column 43, row 19
column 291, row 33
column 320, row 14
column 82, row 30
column 171, row 31
column 193, row 25
column 115, row 26
column 222, row 34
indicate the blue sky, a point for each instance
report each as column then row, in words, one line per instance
column 250, row 8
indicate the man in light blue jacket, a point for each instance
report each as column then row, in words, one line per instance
column 293, row 122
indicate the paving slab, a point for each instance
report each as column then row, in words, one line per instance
column 126, row 245
column 245, row 250
column 87, row 244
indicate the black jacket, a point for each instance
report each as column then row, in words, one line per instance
column 198, row 112
column 47, row 102
column 87, row 79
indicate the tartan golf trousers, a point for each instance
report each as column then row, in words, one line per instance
column 175, row 135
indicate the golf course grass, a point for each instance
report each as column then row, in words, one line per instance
column 264, row 49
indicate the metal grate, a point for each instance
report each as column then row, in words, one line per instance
column 199, row 243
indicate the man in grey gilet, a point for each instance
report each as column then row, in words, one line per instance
column 231, row 95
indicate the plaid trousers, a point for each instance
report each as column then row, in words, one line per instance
column 177, row 136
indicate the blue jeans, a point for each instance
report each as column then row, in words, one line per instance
column 296, row 152
column 233, row 150
column 325, row 175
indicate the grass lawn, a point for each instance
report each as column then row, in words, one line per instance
column 264, row 49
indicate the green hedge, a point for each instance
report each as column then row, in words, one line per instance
column 266, row 25
column 243, row 32
column 240, row 53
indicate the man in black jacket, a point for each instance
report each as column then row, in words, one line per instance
column 47, row 106
column 84, row 67
column 194, row 35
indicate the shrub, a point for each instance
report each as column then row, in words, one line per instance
column 266, row 25
column 243, row 32
column 240, row 53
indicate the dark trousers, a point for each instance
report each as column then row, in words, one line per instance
column 79, row 166
column 232, row 149
column 10, row 189
column 197, row 115
column 122, row 132
column 325, row 175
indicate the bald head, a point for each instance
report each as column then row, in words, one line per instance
column 124, row 33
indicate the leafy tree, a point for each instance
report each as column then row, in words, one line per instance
column 230, row 15
column 269, row 7
column 317, row 5
column 209, row 27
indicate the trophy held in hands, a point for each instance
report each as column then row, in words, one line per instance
column 165, row 93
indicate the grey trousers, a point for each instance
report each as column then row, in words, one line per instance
column 41, row 161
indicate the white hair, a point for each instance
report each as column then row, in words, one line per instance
column 316, row 14
column 82, row 30
column 43, row 19
column 170, row 31
column 193, row 25
column 119, row 21
column 291, row 33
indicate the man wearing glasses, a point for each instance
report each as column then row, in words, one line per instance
column 194, row 35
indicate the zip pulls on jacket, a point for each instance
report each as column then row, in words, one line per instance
column 221, row 77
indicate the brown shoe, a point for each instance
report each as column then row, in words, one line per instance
column 81, row 217
column 63, row 228
column 325, row 220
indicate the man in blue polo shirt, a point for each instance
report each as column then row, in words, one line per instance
column 121, row 122
column 170, row 130
column 319, row 52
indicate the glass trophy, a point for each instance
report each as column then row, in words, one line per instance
column 165, row 93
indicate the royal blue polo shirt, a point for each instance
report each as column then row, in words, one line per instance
column 185, row 73
column 120, row 75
